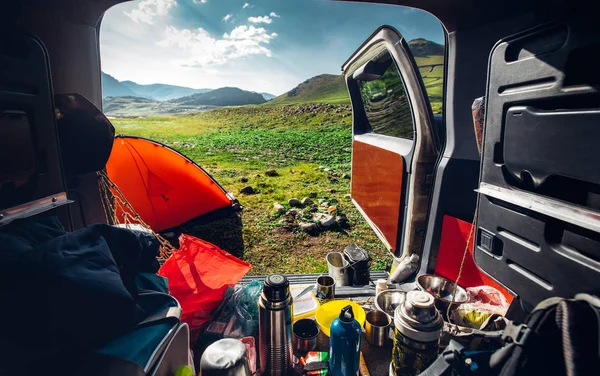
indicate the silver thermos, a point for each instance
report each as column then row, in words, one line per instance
column 275, row 312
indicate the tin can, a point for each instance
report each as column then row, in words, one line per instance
column 416, row 335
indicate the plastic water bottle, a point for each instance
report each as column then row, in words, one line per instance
column 344, row 344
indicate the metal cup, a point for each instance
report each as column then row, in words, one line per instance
column 325, row 288
column 305, row 332
column 377, row 328
column 337, row 266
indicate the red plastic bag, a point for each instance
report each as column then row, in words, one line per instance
column 199, row 273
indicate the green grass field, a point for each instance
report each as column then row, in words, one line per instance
column 293, row 134
column 295, row 140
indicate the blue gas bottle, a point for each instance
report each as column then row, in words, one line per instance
column 344, row 344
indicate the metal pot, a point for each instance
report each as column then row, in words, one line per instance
column 226, row 357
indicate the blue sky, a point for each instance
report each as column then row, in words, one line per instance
column 264, row 46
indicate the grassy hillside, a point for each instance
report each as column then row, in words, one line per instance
column 325, row 88
column 242, row 142
column 432, row 71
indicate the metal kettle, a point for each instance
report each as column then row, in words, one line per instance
column 275, row 312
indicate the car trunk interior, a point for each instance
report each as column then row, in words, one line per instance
column 526, row 212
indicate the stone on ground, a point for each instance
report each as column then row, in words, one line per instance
column 312, row 194
column 292, row 212
column 327, row 169
column 294, row 202
column 278, row 208
column 271, row 173
column 325, row 204
column 244, row 179
column 247, row 190
column 306, row 201
column 326, row 220
column 346, row 176
column 341, row 220
column 308, row 227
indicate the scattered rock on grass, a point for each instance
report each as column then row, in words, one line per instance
column 346, row 176
column 312, row 194
column 278, row 208
column 271, row 173
column 244, row 179
column 308, row 227
column 247, row 190
column 294, row 202
column 348, row 197
column 325, row 204
column 313, row 209
column 306, row 201
column 332, row 190
column 327, row 169
column 341, row 220
column 326, row 220
column 334, row 174
column 321, row 167
column 292, row 212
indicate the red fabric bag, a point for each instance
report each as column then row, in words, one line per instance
column 199, row 273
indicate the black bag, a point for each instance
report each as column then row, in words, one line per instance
column 560, row 337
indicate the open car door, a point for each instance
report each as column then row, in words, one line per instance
column 538, row 218
column 394, row 143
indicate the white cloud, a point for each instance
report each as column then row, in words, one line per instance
column 227, row 17
column 200, row 1
column 246, row 5
column 274, row 15
column 147, row 10
column 260, row 19
column 205, row 50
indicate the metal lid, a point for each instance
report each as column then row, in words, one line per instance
column 276, row 287
column 225, row 357
column 355, row 254
column 417, row 318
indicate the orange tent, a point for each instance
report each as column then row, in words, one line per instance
column 164, row 187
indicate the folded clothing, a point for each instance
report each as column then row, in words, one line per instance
column 69, row 292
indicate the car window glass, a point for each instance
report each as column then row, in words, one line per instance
column 385, row 101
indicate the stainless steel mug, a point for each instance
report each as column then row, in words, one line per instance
column 377, row 327
column 306, row 332
column 325, row 288
column 338, row 268
column 275, row 312
column 226, row 357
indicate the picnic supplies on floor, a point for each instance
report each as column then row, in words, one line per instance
column 199, row 273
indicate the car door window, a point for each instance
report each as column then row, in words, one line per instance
column 386, row 104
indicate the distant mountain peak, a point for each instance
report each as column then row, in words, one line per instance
column 112, row 87
column 421, row 47
column 225, row 96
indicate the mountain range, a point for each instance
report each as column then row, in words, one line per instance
column 127, row 98
column 111, row 87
